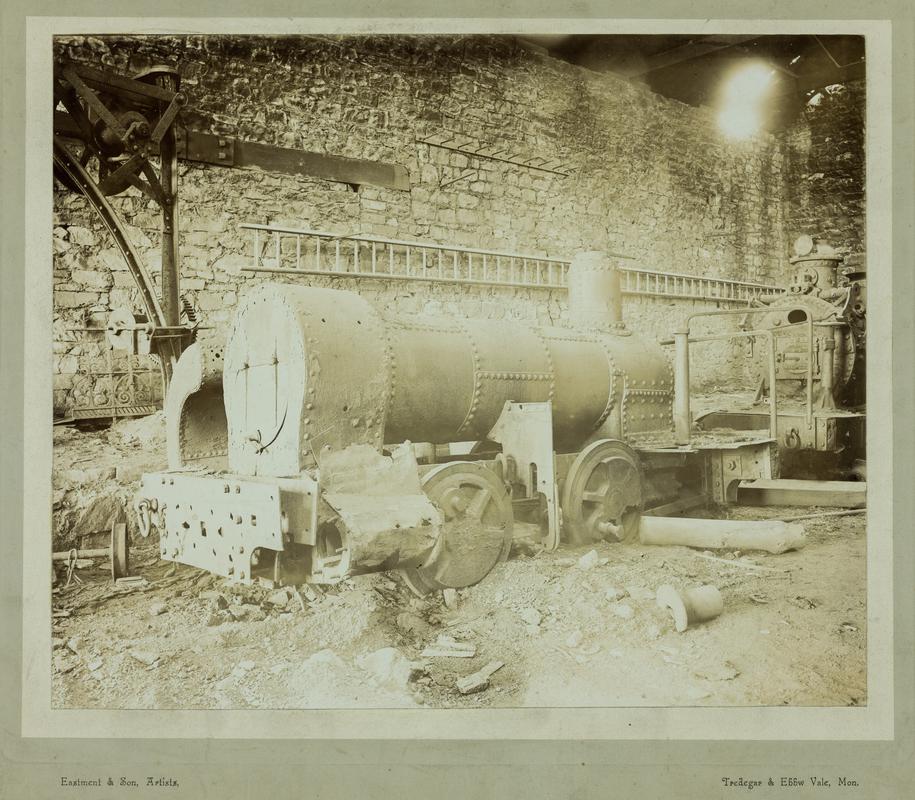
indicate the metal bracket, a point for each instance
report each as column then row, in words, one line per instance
column 726, row 465
column 525, row 431
column 205, row 147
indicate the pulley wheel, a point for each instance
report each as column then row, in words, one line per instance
column 477, row 529
column 120, row 566
column 602, row 494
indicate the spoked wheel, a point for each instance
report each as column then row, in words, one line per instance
column 477, row 531
column 602, row 494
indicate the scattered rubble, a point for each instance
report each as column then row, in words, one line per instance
column 563, row 631
column 447, row 647
column 531, row 616
column 278, row 598
column 144, row 656
column 387, row 667
column 479, row 680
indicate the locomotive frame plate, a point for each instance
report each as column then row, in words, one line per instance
column 215, row 523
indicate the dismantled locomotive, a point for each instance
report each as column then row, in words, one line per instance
column 323, row 441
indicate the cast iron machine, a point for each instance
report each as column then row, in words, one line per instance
column 107, row 130
column 295, row 452
column 815, row 360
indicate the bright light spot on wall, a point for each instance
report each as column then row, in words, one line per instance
column 741, row 105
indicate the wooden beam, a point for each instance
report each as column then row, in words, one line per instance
column 695, row 48
column 230, row 152
column 784, row 492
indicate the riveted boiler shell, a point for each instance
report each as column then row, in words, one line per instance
column 304, row 368
column 309, row 368
column 453, row 377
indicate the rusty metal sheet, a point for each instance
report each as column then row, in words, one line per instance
column 361, row 469
column 195, row 417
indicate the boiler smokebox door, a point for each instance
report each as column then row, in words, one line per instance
column 263, row 360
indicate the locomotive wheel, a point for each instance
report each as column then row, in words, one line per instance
column 477, row 532
column 602, row 494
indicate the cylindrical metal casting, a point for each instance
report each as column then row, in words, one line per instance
column 681, row 388
column 595, row 297
column 691, row 606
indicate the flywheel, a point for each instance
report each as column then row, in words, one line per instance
column 477, row 532
column 602, row 494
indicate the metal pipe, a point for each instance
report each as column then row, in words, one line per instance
column 828, row 370
column 809, row 409
column 715, row 337
column 101, row 552
column 681, row 388
column 773, row 410
column 171, row 264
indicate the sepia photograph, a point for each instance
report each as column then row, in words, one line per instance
column 459, row 371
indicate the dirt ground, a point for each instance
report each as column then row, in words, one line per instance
column 570, row 628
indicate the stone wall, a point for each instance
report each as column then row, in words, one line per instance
column 825, row 161
column 649, row 176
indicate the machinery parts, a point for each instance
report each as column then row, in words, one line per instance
column 527, row 462
column 324, row 394
column 477, row 531
column 307, row 368
column 837, row 305
column 813, row 339
column 195, row 417
column 119, row 124
column 691, row 606
column 118, row 552
column 602, row 494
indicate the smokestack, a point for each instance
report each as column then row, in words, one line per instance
column 595, row 298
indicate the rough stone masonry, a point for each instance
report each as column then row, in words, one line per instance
column 649, row 177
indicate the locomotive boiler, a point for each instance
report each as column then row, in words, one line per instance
column 323, row 441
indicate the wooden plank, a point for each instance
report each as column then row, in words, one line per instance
column 695, row 48
column 783, row 492
column 678, row 506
